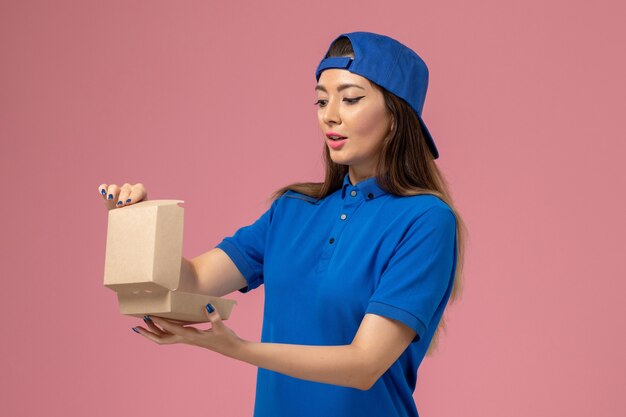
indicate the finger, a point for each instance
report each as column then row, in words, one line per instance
column 102, row 188
column 182, row 323
column 213, row 315
column 176, row 329
column 156, row 338
column 137, row 194
column 150, row 324
column 112, row 192
column 123, row 196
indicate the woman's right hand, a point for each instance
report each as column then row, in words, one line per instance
column 115, row 196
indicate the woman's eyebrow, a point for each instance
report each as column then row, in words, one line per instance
column 341, row 87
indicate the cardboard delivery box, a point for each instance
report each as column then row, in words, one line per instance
column 144, row 260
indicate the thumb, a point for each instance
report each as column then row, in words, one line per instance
column 212, row 314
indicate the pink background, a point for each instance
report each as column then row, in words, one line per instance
column 212, row 103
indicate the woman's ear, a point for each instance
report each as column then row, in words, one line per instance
column 391, row 128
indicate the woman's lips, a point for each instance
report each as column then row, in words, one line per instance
column 331, row 134
column 336, row 144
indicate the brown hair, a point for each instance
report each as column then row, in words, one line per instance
column 405, row 167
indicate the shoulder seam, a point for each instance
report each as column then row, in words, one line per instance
column 299, row 196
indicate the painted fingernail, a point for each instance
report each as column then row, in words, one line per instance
column 128, row 201
column 147, row 318
column 210, row 308
column 104, row 192
column 119, row 203
column 135, row 330
column 110, row 196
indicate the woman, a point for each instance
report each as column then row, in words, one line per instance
column 358, row 269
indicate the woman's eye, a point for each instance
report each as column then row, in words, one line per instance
column 353, row 100
column 350, row 101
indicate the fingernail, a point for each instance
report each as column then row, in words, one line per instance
column 104, row 192
column 147, row 318
column 119, row 203
column 110, row 196
column 210, row 308
column 128, row 201
column 135, row 330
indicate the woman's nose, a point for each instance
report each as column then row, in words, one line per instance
column 331, row 113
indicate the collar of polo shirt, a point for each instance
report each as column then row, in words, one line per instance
column 368, row 188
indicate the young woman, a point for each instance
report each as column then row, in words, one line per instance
column 357, row 269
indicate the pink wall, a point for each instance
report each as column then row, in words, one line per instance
column 211, row 102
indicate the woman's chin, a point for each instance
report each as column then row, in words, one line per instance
column 339, row 160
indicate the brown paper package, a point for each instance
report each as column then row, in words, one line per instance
column 143, row 263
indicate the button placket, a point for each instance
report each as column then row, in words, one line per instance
column 350, row 204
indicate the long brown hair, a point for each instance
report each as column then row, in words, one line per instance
column 405, row 168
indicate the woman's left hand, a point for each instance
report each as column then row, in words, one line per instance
column 218, row 338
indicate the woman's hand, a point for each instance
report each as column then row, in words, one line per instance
column 115, row 196
column 218, row 338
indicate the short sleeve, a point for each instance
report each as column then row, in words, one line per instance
column 419, row 276
column 246, row 248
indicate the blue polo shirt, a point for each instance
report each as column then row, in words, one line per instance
column 325, row 264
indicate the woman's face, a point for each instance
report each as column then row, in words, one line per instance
column 350, row 106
